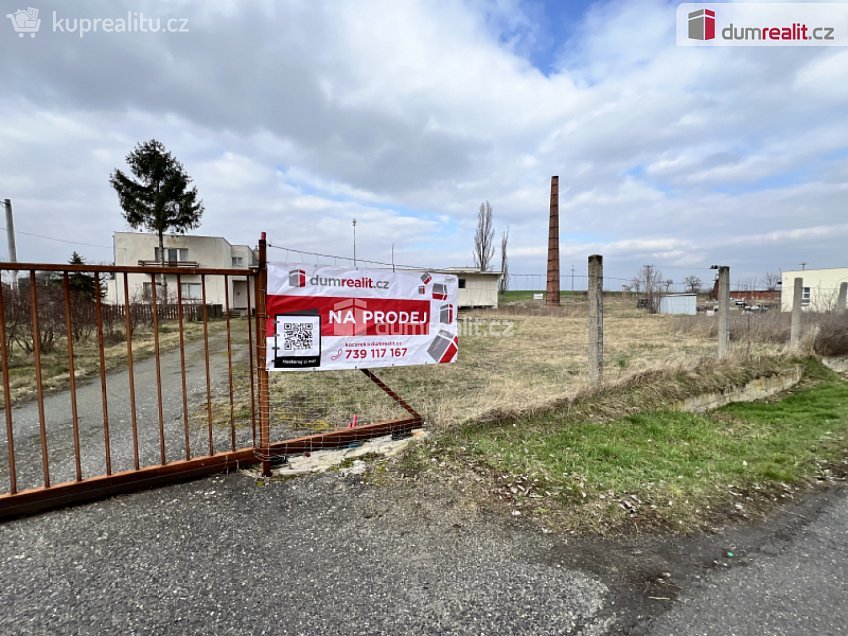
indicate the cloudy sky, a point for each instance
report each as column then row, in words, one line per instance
column 295, row 117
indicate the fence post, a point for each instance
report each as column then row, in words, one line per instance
column 261, row 283
column 596, row 318
column 797, row 299
column 843, row 297
column 723, row 311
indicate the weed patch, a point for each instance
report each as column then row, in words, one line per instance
column 599, row 467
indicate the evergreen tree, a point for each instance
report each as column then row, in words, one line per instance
column 81, row 284
column 159, row 199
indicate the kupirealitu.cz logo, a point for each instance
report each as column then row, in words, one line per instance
column 27, row 22
column 763, row 24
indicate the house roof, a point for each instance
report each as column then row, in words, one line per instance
column 468, row 271
column 194, row 236
column 786, row 272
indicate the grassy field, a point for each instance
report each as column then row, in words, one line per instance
column 521, row 295
column 591, row 466
column 515, row 360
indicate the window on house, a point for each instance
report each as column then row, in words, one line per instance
column 191, row 291
column 238, row 261
column 462, row 283
column 805, row 296
column 173, row 254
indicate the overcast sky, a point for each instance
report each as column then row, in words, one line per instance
column 296, row 117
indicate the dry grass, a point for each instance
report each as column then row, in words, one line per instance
column 831, row 336
column 54, row 366
column 509, row 363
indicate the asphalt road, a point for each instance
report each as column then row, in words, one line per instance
column 317, row 555
column 790, row 586
column 57, row 406
column 332, row 555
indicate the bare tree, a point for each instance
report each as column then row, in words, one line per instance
column 668, row 283
column 484, row 238
column 503, row 284
column 693, row 284
column 747, row 284
column 771, row 280
column 650, row 279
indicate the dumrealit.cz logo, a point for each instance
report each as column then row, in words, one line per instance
column 763, row 24
column 702, row 24
column 27, row 22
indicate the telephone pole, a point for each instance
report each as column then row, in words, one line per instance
column 10, row 237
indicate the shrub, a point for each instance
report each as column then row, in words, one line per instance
column 831, row 337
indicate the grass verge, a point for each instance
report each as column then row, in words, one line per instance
column 597, row 465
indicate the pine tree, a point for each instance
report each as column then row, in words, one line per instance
column 159, row 199
column 81, row 284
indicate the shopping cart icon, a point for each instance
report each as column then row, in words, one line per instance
column 25, row 21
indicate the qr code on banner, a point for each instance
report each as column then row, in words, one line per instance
column 297, row 336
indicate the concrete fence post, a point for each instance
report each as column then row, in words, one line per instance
column 596, row 318
column 723, row 311
column 843, row 297
column 797, row 299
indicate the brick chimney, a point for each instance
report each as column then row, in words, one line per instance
column 552, row 295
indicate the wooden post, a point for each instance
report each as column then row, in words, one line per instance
column 723, row 311
column 261, row 282
column 797, row 299
column 596, row 318
column 843, row 297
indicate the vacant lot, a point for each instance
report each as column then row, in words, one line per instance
column 513, row 360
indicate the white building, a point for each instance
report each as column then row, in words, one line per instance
column 820, row 288
column 680, row 304
column 476, row 288
column 186, row 252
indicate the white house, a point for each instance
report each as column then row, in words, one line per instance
column 476, row 288
column 820, row 288
column 186, row 252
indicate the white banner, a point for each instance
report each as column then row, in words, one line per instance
column 325, row 318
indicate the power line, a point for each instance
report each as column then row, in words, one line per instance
column 58, row 240
column 343, row 258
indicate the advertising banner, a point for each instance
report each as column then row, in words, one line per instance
column 329, row 318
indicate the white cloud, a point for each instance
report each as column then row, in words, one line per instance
column 295, row 117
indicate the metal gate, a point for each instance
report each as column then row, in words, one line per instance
column 153, row 411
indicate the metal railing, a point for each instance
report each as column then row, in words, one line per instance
column 159, row 404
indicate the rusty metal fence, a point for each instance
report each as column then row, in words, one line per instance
column 101, row 399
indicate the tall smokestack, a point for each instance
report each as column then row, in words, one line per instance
column 552, row 295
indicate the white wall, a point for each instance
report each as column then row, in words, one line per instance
column 480, row 290
column 823, row 284
column 207, row 251
column 679, row 304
